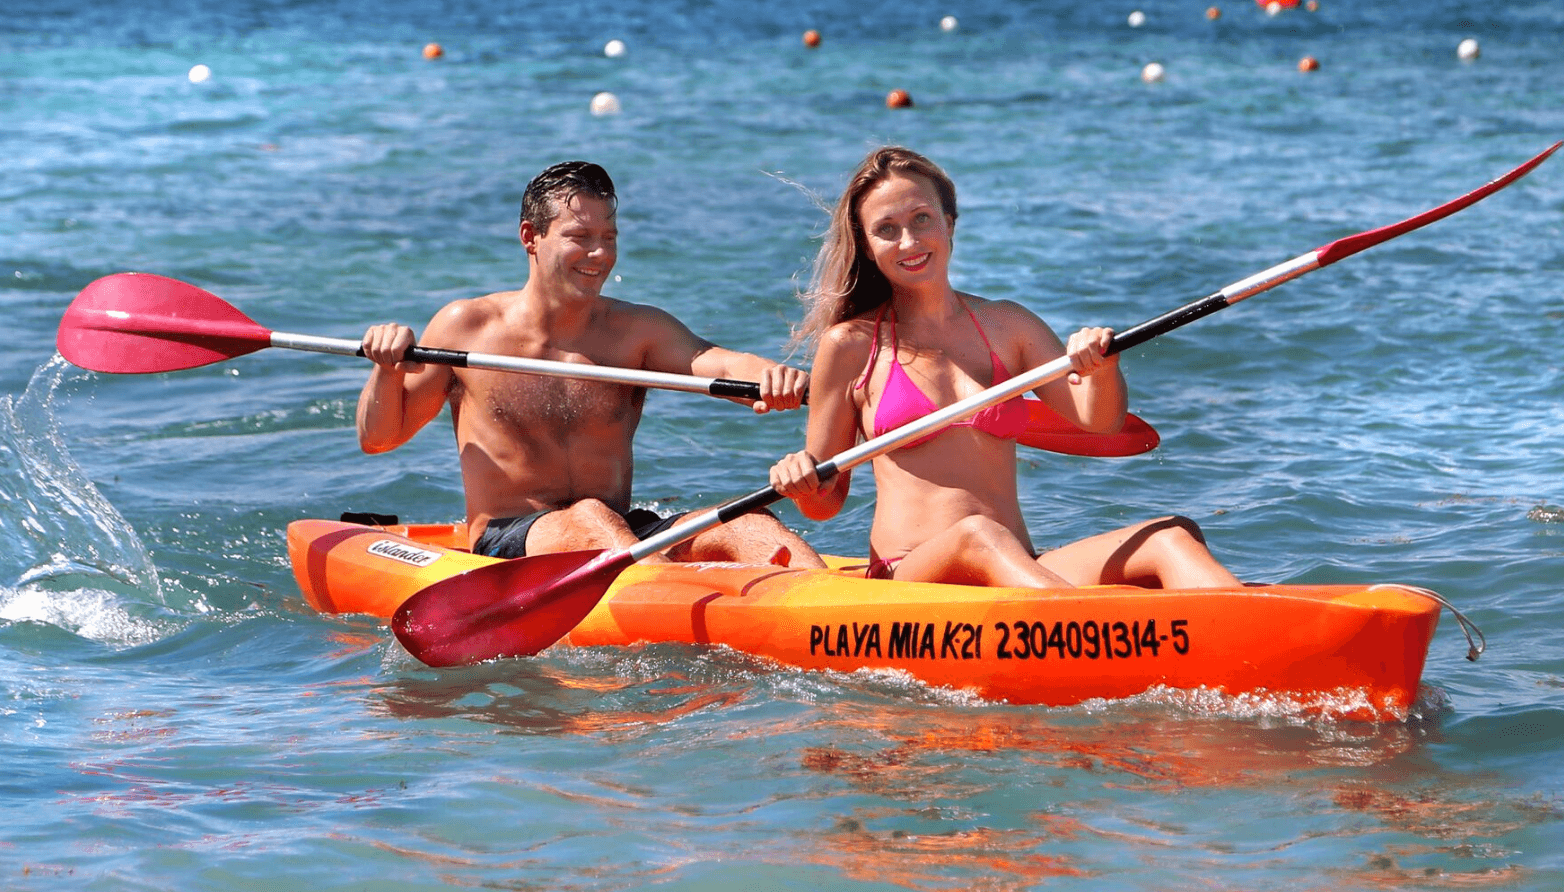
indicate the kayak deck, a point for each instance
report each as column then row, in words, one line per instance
column 1350, row 650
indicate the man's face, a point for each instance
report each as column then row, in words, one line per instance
column 579, row 249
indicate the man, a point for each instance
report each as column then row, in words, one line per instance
column 547, row 462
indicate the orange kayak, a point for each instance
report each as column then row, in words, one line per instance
column 1351, row 651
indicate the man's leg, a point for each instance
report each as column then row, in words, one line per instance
column 754, row 538
column 588, row 525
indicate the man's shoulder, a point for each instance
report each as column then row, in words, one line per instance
column 631, row 310
column 628, row 316
column 472, row 313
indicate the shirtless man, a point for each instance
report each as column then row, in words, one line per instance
column 547, row 462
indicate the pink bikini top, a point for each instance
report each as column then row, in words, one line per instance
column 904, row 402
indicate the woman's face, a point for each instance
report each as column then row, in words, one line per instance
column 907, row 232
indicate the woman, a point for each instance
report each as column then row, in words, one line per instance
column 893, row 342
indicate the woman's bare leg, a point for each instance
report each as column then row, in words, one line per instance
column 1169, row 552
column 977, row 550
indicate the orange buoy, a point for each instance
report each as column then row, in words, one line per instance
column 433, row 51
column 811, row 38
column 1213, row 13
column 898, row 99
column 1308, row 63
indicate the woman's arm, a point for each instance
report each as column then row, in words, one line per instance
column 1093, row 396
column 834, row 408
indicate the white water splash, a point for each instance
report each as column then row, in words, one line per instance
column 70, row 559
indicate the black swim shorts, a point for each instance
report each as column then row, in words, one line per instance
column 506, row 537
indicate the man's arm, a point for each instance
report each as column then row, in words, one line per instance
column 672, row 347
column 400, row 397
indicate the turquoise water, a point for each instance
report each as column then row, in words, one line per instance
column 174, row 715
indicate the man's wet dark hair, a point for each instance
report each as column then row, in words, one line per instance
column 551, row 190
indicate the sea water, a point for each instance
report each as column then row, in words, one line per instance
column 174, row 716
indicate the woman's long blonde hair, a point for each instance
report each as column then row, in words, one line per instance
column 846, row 282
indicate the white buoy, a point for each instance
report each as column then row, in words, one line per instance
column 1153, row 73
column 1137, row 18
column 199, row 74
column 1468, row 50
column 948, row 23
column 605, row 103
column 614, row 48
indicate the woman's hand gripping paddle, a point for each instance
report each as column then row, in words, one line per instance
column 521, row 606
column 139, row 323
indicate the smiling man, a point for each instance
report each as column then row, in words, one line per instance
column 547, row 462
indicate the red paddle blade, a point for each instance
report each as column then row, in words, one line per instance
column 1048, row 430
column 1352, row 244
column 134, row 323
column 511, row 609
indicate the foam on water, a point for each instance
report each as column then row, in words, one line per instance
column 73, row 560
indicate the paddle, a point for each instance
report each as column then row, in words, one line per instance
column 138, row 323
column 519, row 607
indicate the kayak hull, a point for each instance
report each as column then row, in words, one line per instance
column 1347, row 650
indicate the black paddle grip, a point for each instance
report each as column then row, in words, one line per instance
column 760, row 498
column 727, row 387
column 742, row 505
column 1140, row 334
column 457, row 358
column 742, row 390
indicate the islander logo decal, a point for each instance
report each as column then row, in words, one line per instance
column 401, row 551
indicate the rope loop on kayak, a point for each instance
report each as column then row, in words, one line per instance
column 1474, row 648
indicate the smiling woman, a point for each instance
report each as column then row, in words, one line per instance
column 895, row 340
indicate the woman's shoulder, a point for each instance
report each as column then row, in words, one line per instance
column 1011, row 326
column 844, row 348
column 856, row 333
column 998, row 308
